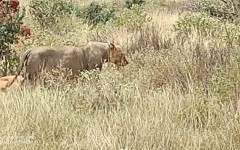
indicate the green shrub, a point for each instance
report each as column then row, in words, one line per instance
column 10, row 27
column 226, row 83
column 96, row 13
column 132, row 18
column 48, row 13
column 200, row 23
column 130, row 3
column 227, row 10
column 204, row 25
column 220, row 10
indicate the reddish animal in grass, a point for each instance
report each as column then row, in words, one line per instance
column 6, row 80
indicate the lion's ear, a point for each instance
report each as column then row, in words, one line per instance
column 112, row 47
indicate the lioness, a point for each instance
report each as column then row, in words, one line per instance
column 100, row 52
column 76, row 59
column 6, row 80
column 47, row 58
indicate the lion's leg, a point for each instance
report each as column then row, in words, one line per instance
column 75, row 76
column 100, row 67
column 71, row 75
column 31, row 78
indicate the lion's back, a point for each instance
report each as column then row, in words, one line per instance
column 44, row 56
column 74, row 58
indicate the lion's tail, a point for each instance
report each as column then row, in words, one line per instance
column 21, row 65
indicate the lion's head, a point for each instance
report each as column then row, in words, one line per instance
column 117, row 55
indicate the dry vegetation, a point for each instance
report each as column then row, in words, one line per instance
column 178, row 92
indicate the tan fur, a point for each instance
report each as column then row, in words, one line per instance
column 99, row 52
column 3, row 85
column 47, row 58
column 6, row 80
column 76, row 59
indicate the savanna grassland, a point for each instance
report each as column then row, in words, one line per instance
column 180, row 89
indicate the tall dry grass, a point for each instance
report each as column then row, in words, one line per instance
column 176, row 93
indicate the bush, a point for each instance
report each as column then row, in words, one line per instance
column 96, row 13
column 133, row 18
column 10, row 28
column 130, row 3
column 204, row 25
column 226, row 82
column 227, row 10
column 201, row 23
column 47, row 13
column 221, row 10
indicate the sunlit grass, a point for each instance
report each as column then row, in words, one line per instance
column 158, row 101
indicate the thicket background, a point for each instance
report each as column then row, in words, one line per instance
column 180, row 90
